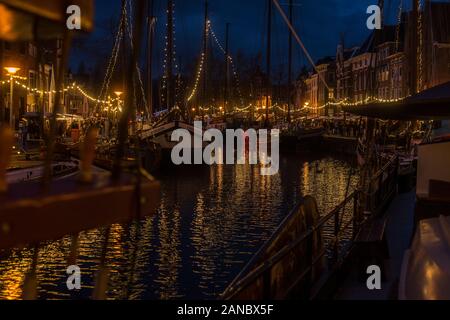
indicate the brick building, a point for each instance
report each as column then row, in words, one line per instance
column 38, row 67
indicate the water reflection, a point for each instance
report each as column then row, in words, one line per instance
column 210, row 222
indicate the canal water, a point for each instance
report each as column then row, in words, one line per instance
column 210, row 222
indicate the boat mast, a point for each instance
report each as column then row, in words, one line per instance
column 291, row 15
column 205, row 61
column 150, row 34
column 227, row 70
column 414, row 45
column 169, row 57
column 124, row 47
column 269, row 45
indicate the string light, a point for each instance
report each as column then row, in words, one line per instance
column 197, row 78
column 420, row 47
column 74, row 86
column 243, row 109
column 173, row 58
column 399, row 21
column 19, row 77
column 200, row 68
column 138, row 70
column 234, row 69
column 114, row 56
column 353, row 104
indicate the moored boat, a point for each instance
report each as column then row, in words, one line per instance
column 289, row 263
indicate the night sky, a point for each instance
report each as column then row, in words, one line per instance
column 318, row 22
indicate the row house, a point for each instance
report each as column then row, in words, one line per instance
column 316, row 94
column 392, row 81
column 435, row 56
column 37, row 71
column 393, row 67
column 75, row 103
column 362, row 67
column 373, row 71
column 344, row 74
column 398, row 77
column 382, row 67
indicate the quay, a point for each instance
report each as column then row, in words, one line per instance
column 399, row 233
column 98, row 130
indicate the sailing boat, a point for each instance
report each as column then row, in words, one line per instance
column 296, row 138
column 424, row 272
column 31, row 213
column 160, row 133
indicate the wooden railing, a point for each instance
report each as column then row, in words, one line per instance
column 338, row 242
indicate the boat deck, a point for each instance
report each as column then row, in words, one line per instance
column 399, row 231
column 19, row 162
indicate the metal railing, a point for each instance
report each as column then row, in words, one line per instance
column 339, row 240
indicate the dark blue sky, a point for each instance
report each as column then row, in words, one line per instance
column 318, row 22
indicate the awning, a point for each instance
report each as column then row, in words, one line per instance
column 430, row 104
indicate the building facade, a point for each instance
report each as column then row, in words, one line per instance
column 36, row 75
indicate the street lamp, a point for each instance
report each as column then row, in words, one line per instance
column 11, row 71
column 118, row 94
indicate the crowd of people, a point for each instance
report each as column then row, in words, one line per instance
column 345, row 128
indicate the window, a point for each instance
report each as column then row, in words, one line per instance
column 32, row 50
column 32, row 79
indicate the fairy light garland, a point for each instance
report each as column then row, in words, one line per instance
column 138, row 70
column 233, row 66
column 197, row 78
column 399, row 21
column 353, row 104
column 112, row 63
column 71, row 87
column 243, row 109
column 174, row 60
column 420, row 46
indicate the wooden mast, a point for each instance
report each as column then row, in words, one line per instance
column 150, row 34
column 227, row 70
column 205, row 58
column 169, row 57
column 291, row 16
column 413, row 48
column 269, row 45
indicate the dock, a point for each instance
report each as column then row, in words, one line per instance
column 399, row 231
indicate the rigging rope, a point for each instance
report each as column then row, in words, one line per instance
column 299, row 41
column 399, row 21
column 138, row 70
column 113, row 60
column 230, row 58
